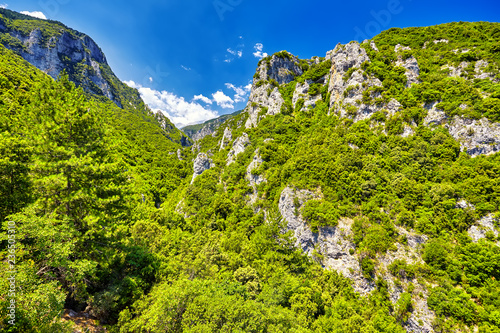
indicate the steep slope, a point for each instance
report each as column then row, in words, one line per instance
column 346, row 197
column 380, row 159
column 53, row 47
column 74, row 176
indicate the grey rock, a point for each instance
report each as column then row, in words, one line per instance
column 412, row 70
column 200, row 165
column 410, row 64
column 484, row 225
column 422, row 317
column 464, row 205
column 434, row 115
column 457, row 71
column 254, row 180
column 400, row 47
column 476, row 137
column 226, row 138
column 284, row 70
column 302, row 92
column 239, row 146
column 260, row 99
column 78, row 48
column 332, row 243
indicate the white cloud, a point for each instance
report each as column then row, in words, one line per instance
column 241, row 92
column 177, row 109
column 39, row 15
column 237, row 53
column 223, row 100
column 202, row 98
column 258, row 51
column 4, row 5
column 150, row 79
column 185, row 68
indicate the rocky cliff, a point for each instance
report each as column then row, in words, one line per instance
column 391, row 87
column 52, row 47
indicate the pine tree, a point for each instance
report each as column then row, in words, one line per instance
column 77, row 184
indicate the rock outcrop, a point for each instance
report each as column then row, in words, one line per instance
column 52, row 47
column 483, row 227
column 265, row 98
column 333, row 244
column 254, row 178
column 227, row 137
column 201, row 164
column 410, row 64
column 238, row 147
column 68, row 51
column 333, row 248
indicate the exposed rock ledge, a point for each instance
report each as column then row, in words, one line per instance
column 332, row 243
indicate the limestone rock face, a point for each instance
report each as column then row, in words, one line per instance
column 333, row 243
column 201, row 164
column 434, row 115
column 238, row 147
column 334, row 249
column 347, row 91
column 226, row 138
column 484, row 225
column 476, row 137
column 263, row 97
column 284, row 70
column 302, row 92
column 343, row 58
column 58, row 53
column 254, row 179
column 411, row 66
column 263, row 94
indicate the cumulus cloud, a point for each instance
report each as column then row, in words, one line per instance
column 4, row 5
column 177, row 109
column 202, row 98
column 258, row 51
column 223, row 100
column 39, row 15
column 241, row 92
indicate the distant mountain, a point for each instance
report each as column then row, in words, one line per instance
column 199, row 131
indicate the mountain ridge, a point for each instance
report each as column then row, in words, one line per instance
column 359, row 191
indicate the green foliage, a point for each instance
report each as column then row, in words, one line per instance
column 320, row 213
column 401, row 269
column 146, row 250
column 316, row 71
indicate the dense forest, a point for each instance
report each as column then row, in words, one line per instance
column 110, row 221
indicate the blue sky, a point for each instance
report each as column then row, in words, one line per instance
column 194, row 59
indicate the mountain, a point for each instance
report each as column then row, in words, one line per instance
column 363, row 154
column 199, row 131
column 53, row 47
column 359, row 191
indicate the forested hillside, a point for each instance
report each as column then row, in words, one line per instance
column 358, row 192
